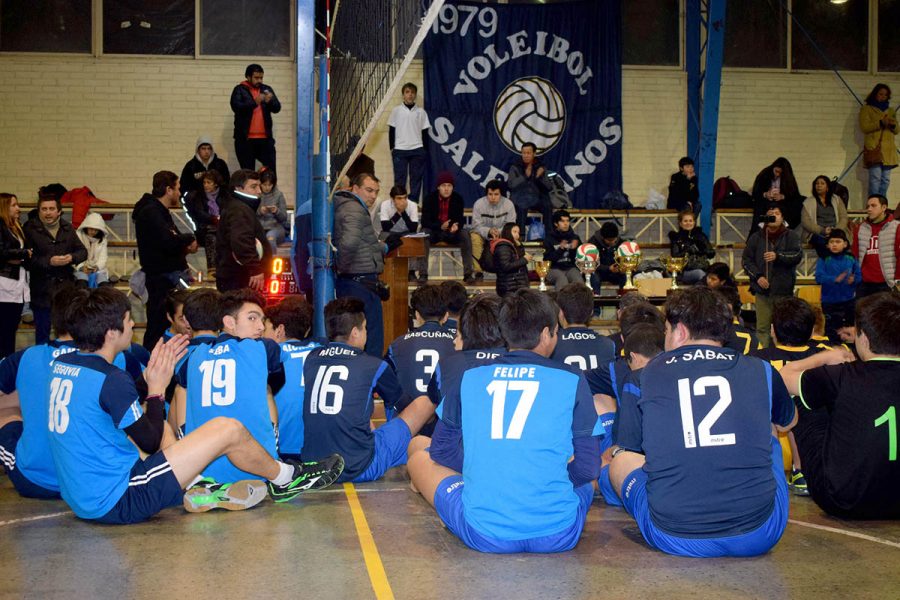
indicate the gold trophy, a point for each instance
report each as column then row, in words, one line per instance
column 542, row 267
column 628, row 264
column 674, row 265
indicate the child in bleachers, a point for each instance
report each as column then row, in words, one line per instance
column 839, row 274
column 719, row 275
column 272, row 211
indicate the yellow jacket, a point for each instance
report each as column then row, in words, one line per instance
column 870, row 124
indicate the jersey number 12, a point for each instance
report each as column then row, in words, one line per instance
column 702, row 433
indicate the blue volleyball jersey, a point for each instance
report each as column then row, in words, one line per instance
column 628, row 416
column 228, row 378
column 289, row 399
column 90, row 402
column 337, row 405
column 608, row 378
column 519, row 415
column 414, row 356
column 583, row 347
column 705, row 428
column 452, row 325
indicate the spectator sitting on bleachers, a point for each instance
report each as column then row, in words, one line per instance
column 204, row 207
column 690, row 241
column 560, row 245
column 93, row 233
column 776, row 183
column 398, row 214
column 272, row 211
column 529, row 186
column 683, row 191
column 443, row 220
column 719, row 275
column 822, row 212
column 204, row 160
column 489, row 214
column 607, row 241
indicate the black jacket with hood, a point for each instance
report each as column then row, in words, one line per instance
column 239, row 237
column 161, row 247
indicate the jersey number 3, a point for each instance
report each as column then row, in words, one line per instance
column 497, row 389
column 703, row 434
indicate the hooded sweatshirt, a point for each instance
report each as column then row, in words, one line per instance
column 96, row 246
column 194, row 168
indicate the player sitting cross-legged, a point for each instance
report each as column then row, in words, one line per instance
column 337, row 408
column 699, row 470
column 522, row 417
column 97, row 425
column 578, row 344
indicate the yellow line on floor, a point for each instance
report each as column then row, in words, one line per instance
column 370, row 551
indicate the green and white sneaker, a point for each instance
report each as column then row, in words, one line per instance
column 308, row 476
column 206, row 495
column 797, row 483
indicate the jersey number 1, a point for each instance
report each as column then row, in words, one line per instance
column 890, row 417
column 497, row 389
column 705, row 438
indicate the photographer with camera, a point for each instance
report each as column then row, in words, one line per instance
column 770, row 261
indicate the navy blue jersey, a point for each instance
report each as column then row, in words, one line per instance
column 228, row 378
column 779, row 355
column 452, row 325
column 628, row 416
column 610, row 379
column 712, row 475
column 90, row 402
column 519, row 416
column 414, row 356
column 583, row 347
column 618, row 343
column 337, row 406
column 742, row 339
column 289, row 399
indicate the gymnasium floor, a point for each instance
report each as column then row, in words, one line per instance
column 381, row 540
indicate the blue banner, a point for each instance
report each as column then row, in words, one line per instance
column 500, row 75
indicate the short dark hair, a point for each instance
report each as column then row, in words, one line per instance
column 775, row 206
column 429, row 301
column 645, row 339
column 342, row 315
column 455, row 295
column 163, row 180
column 409, row 85
column 213, row 176
column 881, row 199
column 202, row 310
column 722, row 271
column 231, row 302
column 251, row 69
column 63, row 294
column 793, row 320
column 523, row 315
column 703, row 312
column 267, row 175
column 48, row 198
column 609, row 230
column 576, row 301
column 878, row 316
column 640, row 314
column 174, row 299
column 631, row 299
column 295, row 313
column 479, row 323
column 559, row 215
column 494, row 184
column 92, row 314
column 732, row 297
column 398, row 190
column 240, row 177
column 52, row 190
column 529, row 144
column 360, row 178
column 685, row 161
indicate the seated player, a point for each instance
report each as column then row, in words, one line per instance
column 228, row 378
column 97, row 427
column 578, row 344
column 741, row 338
column 288, row 325
column 415, row 355
column 455, row 295
column 713, row 486
column 337, row 407
column 175, row 314
column 629, row 299
column 201, row 311
column 478, row 342
column 793, row 321
column 522, row 417
column 847, row 432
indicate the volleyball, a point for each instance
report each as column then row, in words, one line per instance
column 530, row 109
column 628, row 249
column 587, row 252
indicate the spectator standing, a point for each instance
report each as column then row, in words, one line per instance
column 822, row 212
column 560, row 245
column 204, row 208
column 360, row 255
column 489, row 214
column 14, row 292
column 839, row 275
column 770, row 260
column 510, row 260
column 204, row 160
column 776, row 183
column 443, row 220
column 161, row 249
column 683, row 191
column 529, row 186
column 241, row 246
column 877, row 260
column 878, row 123
column 406, row 136
column 55, row 250
column 253, row 104
column 272, row 210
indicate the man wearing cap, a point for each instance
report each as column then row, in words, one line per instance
column 443, row 221
column 205, row 159
column 253, row 104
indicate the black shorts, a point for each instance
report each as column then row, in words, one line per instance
column 152, row 487
column 9, row 439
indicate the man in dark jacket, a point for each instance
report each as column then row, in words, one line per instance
column 607, row 241
column 360, row 256
column 204, row 160
column 770, row 261
column 241, row 248
column 253, row 105
column 55, row 249
column 161, row 249
column 560, row 245
column 529, row 186
column 683, row 190
column 443, row 221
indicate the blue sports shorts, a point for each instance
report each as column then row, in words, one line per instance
column 152, row 487
column 391, row 442
column 9, row 439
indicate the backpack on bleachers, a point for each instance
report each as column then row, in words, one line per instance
column 559, row 197
column 728, row 194
column 840, row 190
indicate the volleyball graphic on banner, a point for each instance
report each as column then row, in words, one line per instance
column 530, row 109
